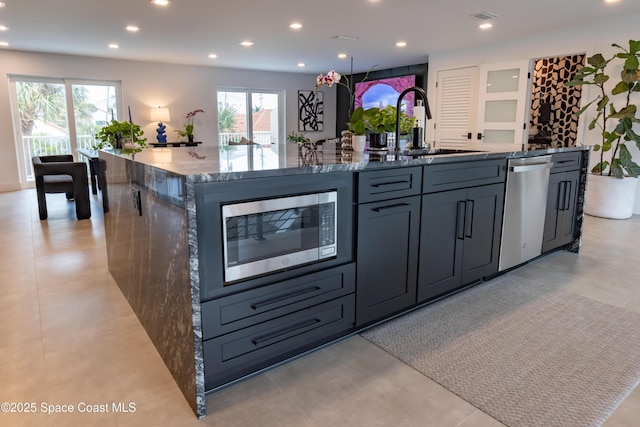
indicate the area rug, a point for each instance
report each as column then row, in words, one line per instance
column 524, row 352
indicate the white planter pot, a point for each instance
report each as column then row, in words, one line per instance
column 359, row 142
column 609, row 197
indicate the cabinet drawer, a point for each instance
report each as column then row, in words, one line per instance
column 563, row 162
column 463, row 175
column 389, row 184
column 239, row 353
column 248, row 308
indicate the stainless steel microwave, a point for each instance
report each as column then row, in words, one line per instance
column 269, row 235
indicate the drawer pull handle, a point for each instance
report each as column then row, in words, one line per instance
column 383, row 208
column 262, row 304
column 404, row 181
column 292, row 328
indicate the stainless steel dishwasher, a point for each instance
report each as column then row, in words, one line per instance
column 524, row 210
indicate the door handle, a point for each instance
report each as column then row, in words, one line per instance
column 468, row 221
column 567, row 194
column 533, row 167
column 479, row 135
column 460, row 220
column 561, row 196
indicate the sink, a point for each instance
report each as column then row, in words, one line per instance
column 415, row 152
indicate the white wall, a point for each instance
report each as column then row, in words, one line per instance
column 588, row 39
column 181, row 88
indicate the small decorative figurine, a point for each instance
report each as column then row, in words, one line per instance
column 162, row 136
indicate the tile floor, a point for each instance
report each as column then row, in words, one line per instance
column 68, row 337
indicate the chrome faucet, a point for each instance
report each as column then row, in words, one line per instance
column 423, row 95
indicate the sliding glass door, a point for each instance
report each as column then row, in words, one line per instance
column 57, row 116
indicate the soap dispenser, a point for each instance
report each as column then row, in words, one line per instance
column 418, row 131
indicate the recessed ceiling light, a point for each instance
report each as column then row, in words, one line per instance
column 295, row 26
column 133, row 28
column 301, row 64
column 113, row 46
column 160, row 2
column 401, row 44
column 5, row 44
column 2, row 4
column 4, row 28
column 485, row 26
column 213, row 56
column 611, row 1
column 246, row 43
column 342, row 55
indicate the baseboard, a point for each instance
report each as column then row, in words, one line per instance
column 10, row 186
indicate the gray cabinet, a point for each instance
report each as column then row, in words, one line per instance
column 460, row 228
column 387, row 258
column 562, row 200
column 245, row 332
column 388, row 230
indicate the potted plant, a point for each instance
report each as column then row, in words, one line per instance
column 298, row 138
column 612, row 184
column 188, row 129
column 380, row 121
column 120, row 135
column 357, row 127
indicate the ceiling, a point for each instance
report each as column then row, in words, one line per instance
column 187, row 31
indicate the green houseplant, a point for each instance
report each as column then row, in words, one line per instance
column 116, row 134
column 298, row 138
column 380, row 121
column 615, row 108
column 615, row 111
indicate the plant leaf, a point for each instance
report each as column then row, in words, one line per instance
column 600, row 167
column 597, row 61
column 597, row 147
column 627, row 112
column 622, row 87
column 616, row 169
column 631, row 64
column 629, row 76
column 600, row 78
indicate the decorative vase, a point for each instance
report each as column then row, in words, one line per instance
column 190, row 138
column 609, row 197
column 378, row 141
column 359, row 142
column 346, row 143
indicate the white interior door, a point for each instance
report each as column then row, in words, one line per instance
column 456, row 96
column 502, row 106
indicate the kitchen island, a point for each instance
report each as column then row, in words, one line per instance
column 164, row 238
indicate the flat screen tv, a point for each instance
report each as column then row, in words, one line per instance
column 383, row 92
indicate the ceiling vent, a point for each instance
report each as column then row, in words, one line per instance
column 339, row 36
column 484, row 15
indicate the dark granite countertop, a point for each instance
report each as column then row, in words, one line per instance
column 213, row 163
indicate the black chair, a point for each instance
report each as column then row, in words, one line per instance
column 60, row 174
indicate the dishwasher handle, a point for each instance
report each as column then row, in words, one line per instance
column 529, row 168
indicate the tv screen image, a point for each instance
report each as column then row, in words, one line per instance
column 383, row 92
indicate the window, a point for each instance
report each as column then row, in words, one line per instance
column 256, row 115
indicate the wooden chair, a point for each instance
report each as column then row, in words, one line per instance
column 60, row 174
